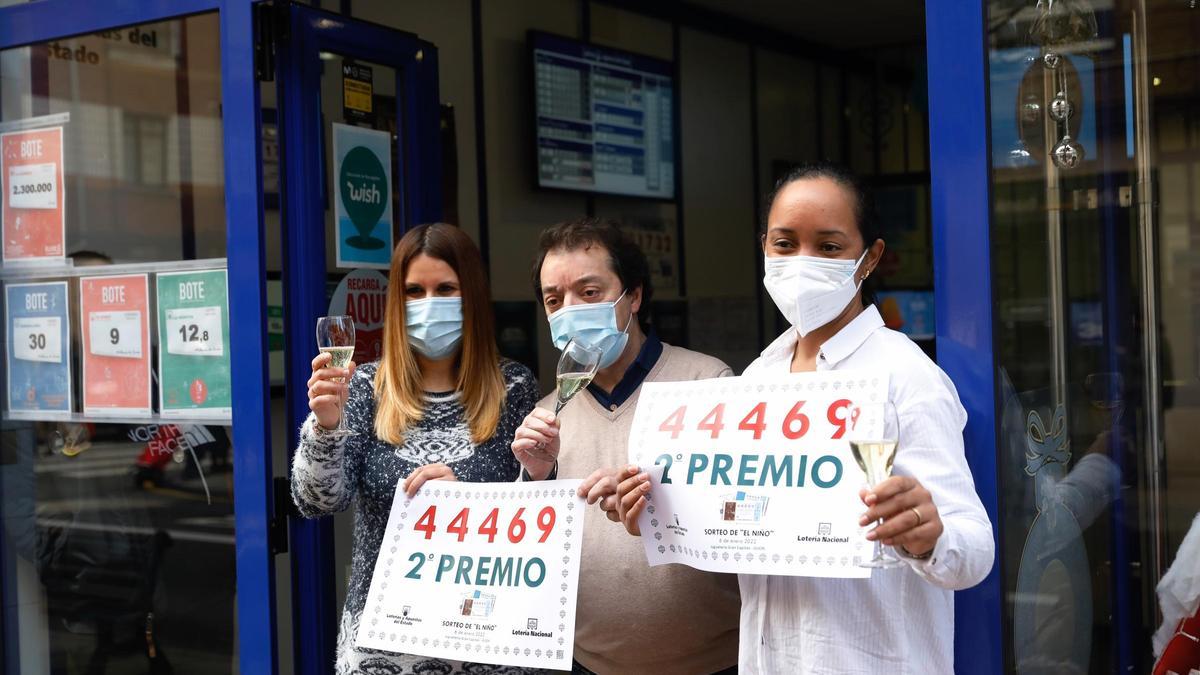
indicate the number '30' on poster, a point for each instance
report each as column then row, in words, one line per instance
column 39, row 347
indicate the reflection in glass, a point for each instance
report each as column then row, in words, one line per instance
column 1096, row 338
column 118, row 537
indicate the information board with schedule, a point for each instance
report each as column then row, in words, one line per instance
column 605, row 119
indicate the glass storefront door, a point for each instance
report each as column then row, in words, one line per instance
column 117, row 466
column 359, row 132
column 1094, row 160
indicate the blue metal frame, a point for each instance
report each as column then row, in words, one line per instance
column 956, row 42
column 46, row 20
column 245, row 250
column 31, row 22
column 310, row 32
column 1114, row 119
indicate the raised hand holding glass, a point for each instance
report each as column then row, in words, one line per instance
column 335, row 336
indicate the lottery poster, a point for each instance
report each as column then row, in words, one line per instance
column 754, row 475
column 34, row 203
column 193, row 354
column 39, row 347
column 114, row 315
column 481, row 572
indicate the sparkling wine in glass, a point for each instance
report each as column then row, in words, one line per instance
column 576, row 368
column 874, row 444
column 335, row 336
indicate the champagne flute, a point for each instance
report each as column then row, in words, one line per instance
column 335, row 336
column 576, row 368
column 876, row 435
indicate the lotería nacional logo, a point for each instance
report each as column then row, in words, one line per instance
column 824, row 535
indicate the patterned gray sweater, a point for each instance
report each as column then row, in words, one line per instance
column 328, row 474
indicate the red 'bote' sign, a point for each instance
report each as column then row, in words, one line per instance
column 114, row 322
column 34, row 203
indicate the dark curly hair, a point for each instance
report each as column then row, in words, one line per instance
column 625, row 257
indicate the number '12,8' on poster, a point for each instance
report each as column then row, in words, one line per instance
column 193, row 329
column 114, row 320
column 39, row 347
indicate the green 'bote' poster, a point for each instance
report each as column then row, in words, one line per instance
column 193, row 345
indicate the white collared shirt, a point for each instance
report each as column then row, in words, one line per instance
column 900, row 620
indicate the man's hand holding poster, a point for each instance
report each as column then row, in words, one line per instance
column 755, row 475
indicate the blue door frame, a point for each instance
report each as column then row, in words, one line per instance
column 959, row 158
column 302, row 133
column 956, row 43
column 44, row 20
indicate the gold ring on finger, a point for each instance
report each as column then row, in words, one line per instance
column 917, row 513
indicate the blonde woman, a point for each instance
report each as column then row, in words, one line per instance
column 439, row 405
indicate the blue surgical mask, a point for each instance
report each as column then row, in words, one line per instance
column 593, row 323
column 434, row 326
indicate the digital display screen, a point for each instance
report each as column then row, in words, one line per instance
column 604, row 119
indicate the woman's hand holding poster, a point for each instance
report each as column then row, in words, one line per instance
column 483, row 572
column 755, row 476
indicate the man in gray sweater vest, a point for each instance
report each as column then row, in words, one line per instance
column 592, row 280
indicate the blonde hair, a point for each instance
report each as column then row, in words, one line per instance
column 399, row 395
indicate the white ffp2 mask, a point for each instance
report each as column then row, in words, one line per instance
column 811, row 291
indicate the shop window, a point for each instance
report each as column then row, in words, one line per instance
column 117, row 476
column 145, row 149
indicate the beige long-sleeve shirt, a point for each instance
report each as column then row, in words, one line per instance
column 633, row 618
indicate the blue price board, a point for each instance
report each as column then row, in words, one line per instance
column 39, row 347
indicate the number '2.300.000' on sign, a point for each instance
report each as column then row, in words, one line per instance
column 482, row 572
column 755, row 475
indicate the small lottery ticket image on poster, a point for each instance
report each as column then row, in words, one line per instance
column 34, row 204
column 39, row 347
column 755, row 476
column 480, row 572
column 193, row 331
column 114, row 314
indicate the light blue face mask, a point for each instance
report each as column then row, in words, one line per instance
column 593, row 323
column 434, row 326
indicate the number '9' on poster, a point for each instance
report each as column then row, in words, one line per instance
column 115, row 326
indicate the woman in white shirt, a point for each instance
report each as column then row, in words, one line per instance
column 819, row 249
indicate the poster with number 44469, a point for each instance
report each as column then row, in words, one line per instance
column 193, row 329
